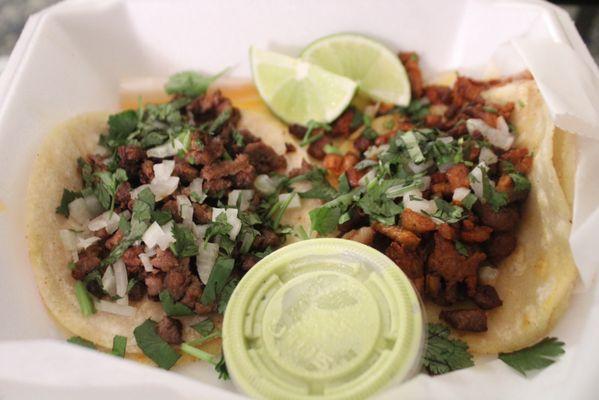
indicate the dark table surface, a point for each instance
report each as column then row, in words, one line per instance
column 13, row 14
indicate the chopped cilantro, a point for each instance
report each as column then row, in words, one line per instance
column 521, row 104
column 417, row 109
column 461, row 248
column 521, row 182
column 219, row 227
column 313, row 125
column 238, row 138
column 190, row 83
column 330, row 149
column 185, row 242
column 105, row 186
column 370, row 133
column 217, row 280
column 448, row 212
column 119, row 345
column 468, row 201
column 221, row 368
column 411, row 142
column 162, row 216
column 67, row 197
column 444, row 354
column 226, row 295
column 120, row 126
column 85, row 302
column 491, row 110
column 213, row 127
column 204, row 328
column 171, row 308
column 71, row 265
column 378, row 205
column 325, row 219
column 198, row 353
column 153, row 346
column 539, row 356
column 491, row 195
column 78, row 340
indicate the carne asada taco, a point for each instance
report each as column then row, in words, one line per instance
column 469, row 191
column 151, row 202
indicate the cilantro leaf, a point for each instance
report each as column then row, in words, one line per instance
column 521, row 182
column 204, row 328
column 444, row 354
column 78, row 340
column 213, row 126
column 120, row 126
column 469, row 201
column 378, row 205
column 189, row 83
column 539, row 356
column 153, row 346
column 461, row 248
column 67, row 197
column 325, row 219
column 219, row 227
column 144, row 206
column 172, row 308
column 185, row 242
column 221, row 368
column 448, row 212
column 106, row 184
column 161, row 216
column 119, row 345
column 491, row 195
column 217, row 279
column 226, row 295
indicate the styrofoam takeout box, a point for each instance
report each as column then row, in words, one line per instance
column 71, row 58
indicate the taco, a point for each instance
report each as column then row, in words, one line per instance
column 469, row 190
column 143, row 194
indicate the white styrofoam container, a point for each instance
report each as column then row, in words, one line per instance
column 71, row 58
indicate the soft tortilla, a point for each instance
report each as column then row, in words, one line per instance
column 55, row 168
column 536, row 281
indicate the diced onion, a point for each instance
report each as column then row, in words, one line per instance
column 418, row 168
column 460, row 194
column 164, row 169
column 109, row 220
column 83, row 244
column 499, row 137
column 120, row 276
column 369, row 177
column 69, row 239
column 109, row 281
column 205, row 260
column 145, row 260
column 164, row 187
column 426, row 182
column 200, row 231
column 151, row 252
column 79, row 212
column 135, row 192
column 242, row 196
column 232, row 220
column 265, row 184
column 93, row 205
column 487, row 156
column 293, row 203
column 196, row 192
column 476, row 179
column 75, row 255
column 159, row 236
column 124, row 301
column 488, row 275
column 167, row 149
column 415, row 202
column 114, row 308
column 445, row 139
column 185, row 209
column 163, row 183
column 445, row 167
column 375, row 151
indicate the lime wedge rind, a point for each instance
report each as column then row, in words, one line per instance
column 297, row 91
column 377, row 70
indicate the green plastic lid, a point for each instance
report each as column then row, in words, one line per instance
column 322, row 319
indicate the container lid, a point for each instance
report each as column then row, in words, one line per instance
column 322, row 319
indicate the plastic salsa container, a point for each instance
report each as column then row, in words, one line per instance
column 322, row 319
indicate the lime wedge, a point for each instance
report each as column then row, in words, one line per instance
column 297, row 91
column 376, row 69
